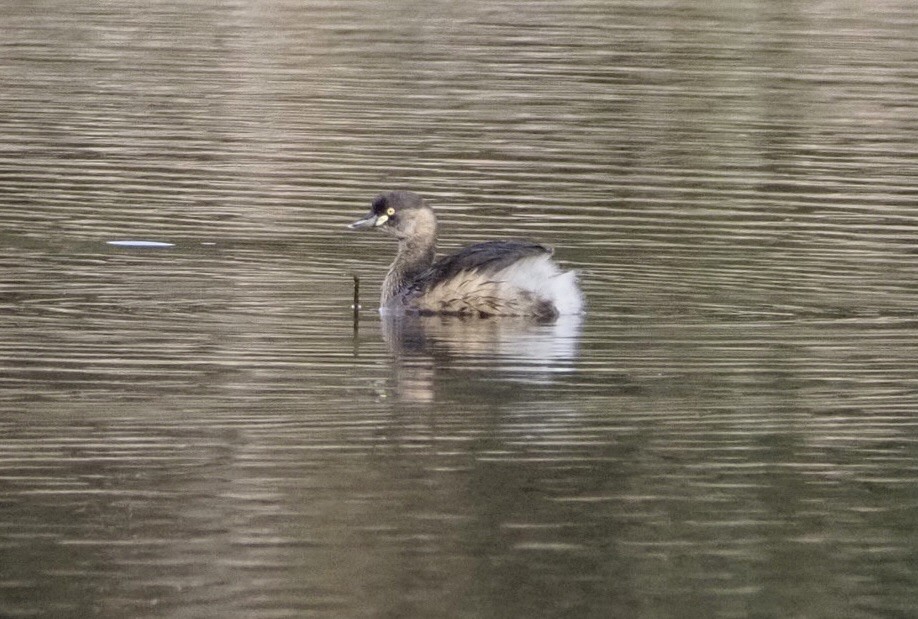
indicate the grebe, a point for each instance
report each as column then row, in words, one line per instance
column 496, row 278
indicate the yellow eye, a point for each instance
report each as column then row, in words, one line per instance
column 390, row 211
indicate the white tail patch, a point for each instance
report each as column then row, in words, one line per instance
column 542, row 277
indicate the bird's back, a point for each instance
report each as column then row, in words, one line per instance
column 515, row 278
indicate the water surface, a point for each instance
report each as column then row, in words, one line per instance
column 199, row 430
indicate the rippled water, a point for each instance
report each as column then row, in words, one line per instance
column 202, row 429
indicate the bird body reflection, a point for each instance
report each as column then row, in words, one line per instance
column 515, row 349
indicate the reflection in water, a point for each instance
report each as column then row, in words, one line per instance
column 502, row 348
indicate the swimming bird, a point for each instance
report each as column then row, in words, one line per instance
column 495, row 278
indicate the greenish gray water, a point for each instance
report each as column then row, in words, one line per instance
column 200, row 431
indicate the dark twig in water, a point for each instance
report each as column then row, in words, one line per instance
column 356, row 305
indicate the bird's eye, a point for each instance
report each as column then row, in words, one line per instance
column 390, row 211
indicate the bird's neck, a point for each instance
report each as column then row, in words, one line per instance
column 413, row 258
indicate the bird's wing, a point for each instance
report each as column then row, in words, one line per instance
column 483, row 258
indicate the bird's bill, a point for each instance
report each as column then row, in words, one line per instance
column 370, row 221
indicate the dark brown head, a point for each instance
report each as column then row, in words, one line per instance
column 402, row 214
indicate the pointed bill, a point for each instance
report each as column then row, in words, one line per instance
column 370, row 221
